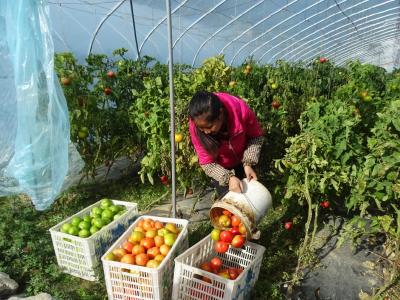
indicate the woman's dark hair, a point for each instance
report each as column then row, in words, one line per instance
column 208, row 106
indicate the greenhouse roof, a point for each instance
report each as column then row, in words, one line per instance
column 266, row 30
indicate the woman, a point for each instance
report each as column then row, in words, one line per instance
column 227, row 138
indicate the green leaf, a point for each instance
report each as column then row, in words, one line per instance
column 392, row 175
column 142, row 177
column 335, row 184
column 150, row 178
column 396, row 124
column 385, row 222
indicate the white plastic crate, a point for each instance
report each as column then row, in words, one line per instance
column 187, row 276
column 132, row 282
column 80, row 256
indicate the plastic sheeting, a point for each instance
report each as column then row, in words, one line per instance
column 266, row 30
column 35, row 149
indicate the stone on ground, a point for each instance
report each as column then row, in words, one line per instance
column 41, row 296
column 8, row 286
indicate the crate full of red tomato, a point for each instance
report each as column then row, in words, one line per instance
column 223, row 272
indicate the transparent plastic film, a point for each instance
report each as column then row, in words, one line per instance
column 35, row 141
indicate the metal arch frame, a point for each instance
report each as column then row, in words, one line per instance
column 344, row 54
column 329, row 39
column 256, row 24
column 362, row 56
column 316, row 40
column 159, row 23
column 197, row 21
column 222, row 28
column 316, row 31
column 276, row 25
column 101, row 24
column 351, row 41
column 358, row 46
column 352, row 52
column 310, row 34
column 360, row 51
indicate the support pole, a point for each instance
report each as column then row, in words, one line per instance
column 171, row 105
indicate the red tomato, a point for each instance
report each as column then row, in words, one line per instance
column 226, row 236
column 235, row 221
column 142, row 259
column 164, row 180
column 234, row 230
column 238, row 241
column 227, row 213
column 128, row 259
column 127, row 246
column 288, row 225
column 153, row 252
column 111, row 74
column 325, row 204
column 221, row 247
column 216, row 263
column 107, row 91
column 275, row 104
column 147, row 242
column 206, row 266
column 138, row 249
column 233, row 273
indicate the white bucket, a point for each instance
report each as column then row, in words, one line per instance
column 250, row 206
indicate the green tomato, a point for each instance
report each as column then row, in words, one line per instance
column 84, row 225
column 65, row 227
column 84, row 233
column 105, row 203
column 87, row 218
column 107, row 214
column 98, row 222
column 75, row 221
column 94, row 229
column 73, row 230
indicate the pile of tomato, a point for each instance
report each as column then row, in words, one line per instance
column 215, row 265
column 148, row 244
column 234, row 234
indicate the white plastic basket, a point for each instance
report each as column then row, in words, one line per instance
column 80, row 256
column 187, row 276
column 132, row 282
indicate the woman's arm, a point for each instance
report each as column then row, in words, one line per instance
column 252, row 153
column 218, row 173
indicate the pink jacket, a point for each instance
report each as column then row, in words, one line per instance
column 243, row 125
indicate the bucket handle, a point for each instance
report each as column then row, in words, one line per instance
column 257, row 234
column 251, row 203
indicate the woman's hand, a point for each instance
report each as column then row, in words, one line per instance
column 235, row 184
column 250, row 174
